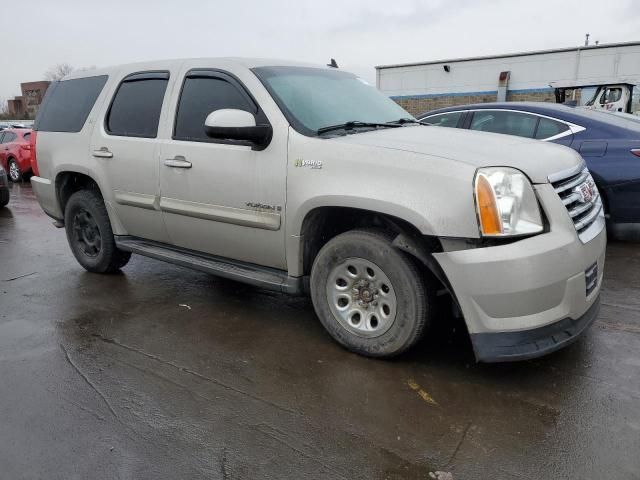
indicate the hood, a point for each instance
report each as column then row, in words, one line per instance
column 535, row 158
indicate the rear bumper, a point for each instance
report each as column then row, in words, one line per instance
column 528, row 344
column 46, row 194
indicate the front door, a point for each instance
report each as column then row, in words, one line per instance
column 222, row 197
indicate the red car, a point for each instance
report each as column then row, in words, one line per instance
column 15, row 153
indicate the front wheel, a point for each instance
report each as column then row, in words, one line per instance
column 89, row 233
column 370, row 296
column 14, row 173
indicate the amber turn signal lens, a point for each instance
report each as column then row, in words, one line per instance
column 487, row 207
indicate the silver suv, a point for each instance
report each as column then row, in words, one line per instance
column 305, row 179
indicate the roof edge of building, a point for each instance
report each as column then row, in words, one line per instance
column 508, row 55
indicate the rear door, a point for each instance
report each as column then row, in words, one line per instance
column 125, row 146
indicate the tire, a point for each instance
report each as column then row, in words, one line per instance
column 89, row 233
column 13, row 170
column 4, row 197
column 397, row 302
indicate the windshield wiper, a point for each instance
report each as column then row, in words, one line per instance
column 404, row 121
column 355, row 124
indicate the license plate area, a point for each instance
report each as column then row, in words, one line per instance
column 591, row 278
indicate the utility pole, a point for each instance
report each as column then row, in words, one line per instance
column 586, row 40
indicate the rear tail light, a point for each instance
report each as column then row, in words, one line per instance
column 32, row 147
column 25, row 146
column 636, row 151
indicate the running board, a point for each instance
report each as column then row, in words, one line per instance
column 265, row 277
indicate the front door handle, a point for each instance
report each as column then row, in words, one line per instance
column 177, row 162
column 103, row 152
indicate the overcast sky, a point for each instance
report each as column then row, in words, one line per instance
column 358, row 33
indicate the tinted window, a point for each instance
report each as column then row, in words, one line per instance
column 135, row 110
column 201, row 96
column 550, row 128
column 9, row 137
column 450, row 119
column 509, row 123
column 67, row 104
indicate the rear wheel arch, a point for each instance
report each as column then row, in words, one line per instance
column 69, row 182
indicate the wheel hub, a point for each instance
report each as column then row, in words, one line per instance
column 14, row 173
column 361, row 297
column 86, row 233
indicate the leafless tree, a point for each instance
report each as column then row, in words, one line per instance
column 4, row 109
column 58, row 71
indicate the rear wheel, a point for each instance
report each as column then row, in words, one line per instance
column 370, row 296
column 14, row 173
column 4, row 197
column 89, row 233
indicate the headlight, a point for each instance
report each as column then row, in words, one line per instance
column 506, row 203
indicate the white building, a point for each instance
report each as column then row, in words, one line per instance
column 529, row 76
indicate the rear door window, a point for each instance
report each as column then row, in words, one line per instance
column 548, row 128
column 201, row 95
column 449, row 119
column 136, row 106
column 67, row 104
column 502, row 121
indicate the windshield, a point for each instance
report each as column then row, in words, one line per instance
column 314, row 98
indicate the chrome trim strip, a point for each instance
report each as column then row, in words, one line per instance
column 570, row 199
column 593, row 230
column 219, row 213
column 586, row 221
column 574, row 182
column 565, row 174
column 574, row 212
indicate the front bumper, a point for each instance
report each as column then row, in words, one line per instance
column 527, row 298
column 527, row 344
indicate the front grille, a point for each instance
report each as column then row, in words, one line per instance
column 580, row 196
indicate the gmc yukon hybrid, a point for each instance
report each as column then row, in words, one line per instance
column 301, row 178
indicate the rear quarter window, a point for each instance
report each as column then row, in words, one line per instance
column 550, row 128
column 67, row 104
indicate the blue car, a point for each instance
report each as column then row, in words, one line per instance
column 609, row 142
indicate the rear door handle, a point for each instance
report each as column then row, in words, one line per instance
column 177, row 162
column 103, row 153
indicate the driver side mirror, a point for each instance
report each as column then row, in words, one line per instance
column 238, row 125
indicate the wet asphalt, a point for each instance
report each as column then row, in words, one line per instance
column 162, row 372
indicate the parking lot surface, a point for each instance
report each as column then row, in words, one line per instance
column 163, row 372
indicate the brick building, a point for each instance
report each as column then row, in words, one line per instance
column 424, row 86
column 26, row 105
